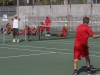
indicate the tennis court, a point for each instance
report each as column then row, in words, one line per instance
column 46, row 57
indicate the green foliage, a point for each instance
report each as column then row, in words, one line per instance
column 54, row 0
column 45, row 2
column 80, row 1
column 7, row 2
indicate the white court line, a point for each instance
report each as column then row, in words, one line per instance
column 44, row 48
column 66, row 41
column 57, row 41
column 40, row 54
column 50, row 48
column 18, row 49
column 24, row 55
column 69, row 43
column 23, row 49
column 72, row 54
column 31, row 47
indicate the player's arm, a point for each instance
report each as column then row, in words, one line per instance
column 18, row 19
column 96, row 36
column 12, row 18
column 90, row 32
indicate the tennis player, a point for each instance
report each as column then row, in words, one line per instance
column 81, row 44
column 15, row 20
column 47, row 23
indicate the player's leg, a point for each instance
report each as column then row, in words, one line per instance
column 75, row 66
column 77, row 56
column 48, row 31
column 88, row 65
column 88, row 62
column 85, row 53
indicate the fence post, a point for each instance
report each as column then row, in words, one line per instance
column 17, row 7
column 70, row 15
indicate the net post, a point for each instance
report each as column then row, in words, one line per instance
column 25, row 32
column 4, row 19
column 28, row 38
column 25, row 20
column 3, row 34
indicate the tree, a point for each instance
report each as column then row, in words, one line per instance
column 7, row 2
column 80, row 1
column 46, row 2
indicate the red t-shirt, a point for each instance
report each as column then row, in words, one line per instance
column 64, row 30
column 34, row 29
column 47, row 21
column 82, row 34
column 27, row 29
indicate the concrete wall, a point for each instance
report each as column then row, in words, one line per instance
column 10, row 11
column 59, row 13
column 60, row 10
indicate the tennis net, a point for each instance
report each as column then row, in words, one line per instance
column 36, row 33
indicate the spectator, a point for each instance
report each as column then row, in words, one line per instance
column 47, row 23
column 42, row 28
column 8, row 28
column 34, row 31
column 15, row 20
column 27, row 30
column 64, row 32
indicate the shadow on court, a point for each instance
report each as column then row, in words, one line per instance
column 84, row 69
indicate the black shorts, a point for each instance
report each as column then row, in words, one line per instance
column 15, row 32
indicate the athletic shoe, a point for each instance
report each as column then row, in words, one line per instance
column 14, row 40
column 75, row 73
column 46, row 35
column 18, row 40
column 89, row 73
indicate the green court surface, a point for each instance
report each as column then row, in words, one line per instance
column 46, row 57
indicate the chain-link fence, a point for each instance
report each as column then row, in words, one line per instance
column 46, row 2
column 9, row 10
column 59, row 15
column 56, row 2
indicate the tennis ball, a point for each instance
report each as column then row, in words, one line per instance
column 66, row 25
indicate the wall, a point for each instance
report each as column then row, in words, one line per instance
column 10, row 11
column 59, row 14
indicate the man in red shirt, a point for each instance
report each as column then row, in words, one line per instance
column 81, row 44
column 47, row 23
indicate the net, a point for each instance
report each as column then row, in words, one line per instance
column 51, row 33
column 38, row 32
column 59, row 32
